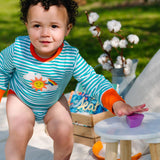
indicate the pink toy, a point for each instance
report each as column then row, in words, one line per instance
column 134, row 120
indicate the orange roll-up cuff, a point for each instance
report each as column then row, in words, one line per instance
column 1, row 94
column 109, row 98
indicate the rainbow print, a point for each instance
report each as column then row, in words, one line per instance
column 52, row 83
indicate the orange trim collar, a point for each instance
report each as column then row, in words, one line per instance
column 45, row 59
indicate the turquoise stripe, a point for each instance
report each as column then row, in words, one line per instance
column 18, row 59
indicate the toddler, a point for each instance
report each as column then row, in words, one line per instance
column 36, row 70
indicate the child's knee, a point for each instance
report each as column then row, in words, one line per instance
column 66, row 130
column 61, row 131
column 19, row 130
column 64, row 136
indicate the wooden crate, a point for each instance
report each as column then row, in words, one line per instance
column 84, row 127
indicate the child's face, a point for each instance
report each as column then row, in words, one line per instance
column 47, row 28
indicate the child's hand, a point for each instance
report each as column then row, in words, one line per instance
column 120, row 108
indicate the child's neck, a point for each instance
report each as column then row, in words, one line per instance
column 44, row 57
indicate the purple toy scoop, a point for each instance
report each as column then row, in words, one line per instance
column 134, row 120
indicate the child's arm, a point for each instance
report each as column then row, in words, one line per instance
column 110, row 97
column 115, row 104
column 120, row 108
column 6, row 68
column 99, row 87
column 94, row 84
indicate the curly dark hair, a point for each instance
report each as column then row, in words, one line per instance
column 70, row 5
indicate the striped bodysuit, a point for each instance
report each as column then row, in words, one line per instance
column 39, row 82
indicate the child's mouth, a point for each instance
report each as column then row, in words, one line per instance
column 45, row 42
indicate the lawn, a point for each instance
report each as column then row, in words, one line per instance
column 143, row 20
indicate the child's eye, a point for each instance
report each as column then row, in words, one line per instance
column 54, row 26
column 36, row 25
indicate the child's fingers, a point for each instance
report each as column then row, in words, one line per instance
column 141, row 108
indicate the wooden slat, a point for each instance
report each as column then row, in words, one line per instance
column 84, row 131
column 82, row 119
column 86, row 141
column 90, row 120
column 101, row 116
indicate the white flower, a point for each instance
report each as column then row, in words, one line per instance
column 94, row 30
column 127, row 70
column 120, row 59
column 115, row 42
column 123, row 43
column 103, row 58
column 128, row 66
column 93, row 16
column 107, row 66
column 118, row 63
column 105, row 62
column 132, row 38
column 129, row 62
column 114, row 26
column 107, row 46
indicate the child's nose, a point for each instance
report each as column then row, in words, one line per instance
column 45, row 32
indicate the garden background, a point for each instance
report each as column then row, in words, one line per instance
column 137, row 17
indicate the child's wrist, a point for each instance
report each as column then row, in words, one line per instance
column 117, row 105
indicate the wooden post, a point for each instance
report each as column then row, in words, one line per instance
column 125, row 149
column 155, row 151
column 111, row 151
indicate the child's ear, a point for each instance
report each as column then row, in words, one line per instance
column 69, row 27
column 26, row 24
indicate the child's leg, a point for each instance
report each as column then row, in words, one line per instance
column 59, row 126
column 21, row 121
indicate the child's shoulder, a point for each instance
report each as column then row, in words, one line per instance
column 67, row 46
column 22, row 42
column 23, row 39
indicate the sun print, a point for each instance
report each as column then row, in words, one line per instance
column 38, row 84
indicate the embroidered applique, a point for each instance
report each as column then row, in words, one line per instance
column 39, row 82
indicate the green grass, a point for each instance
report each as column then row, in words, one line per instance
column 143, row 20
column 10, row 25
